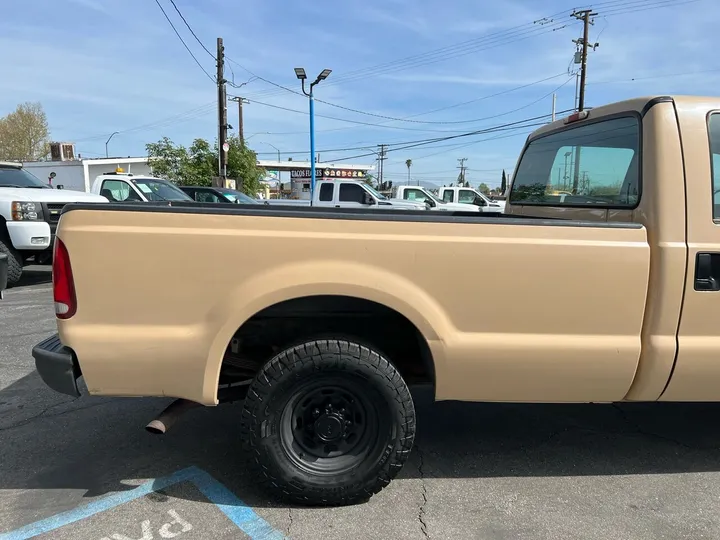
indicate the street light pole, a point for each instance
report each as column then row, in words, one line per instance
column 312, row 143
column 300, row 74
column 108, row 141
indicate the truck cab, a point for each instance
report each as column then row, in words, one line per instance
column 29, row 214
column 120, row 187
column 467, row 195
column 423, row 195
column 354, row 194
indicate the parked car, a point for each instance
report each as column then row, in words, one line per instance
column 29, row 213
column 322, row 318
column 121, row 187
column 218, row 195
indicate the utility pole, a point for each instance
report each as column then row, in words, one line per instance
column 381, row 161
column 222, row 113
column 241, row 127
column 461, row 177
column 583, row 15
column 553, row 106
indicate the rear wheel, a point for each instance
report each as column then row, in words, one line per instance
column 328, row 422
column 15, row 262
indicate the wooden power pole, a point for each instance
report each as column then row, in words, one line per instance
column 241, row 125
column 222, row 113
column 584, row 15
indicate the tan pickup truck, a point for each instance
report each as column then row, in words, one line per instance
column 602, row 277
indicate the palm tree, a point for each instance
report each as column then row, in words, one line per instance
column 408, row 164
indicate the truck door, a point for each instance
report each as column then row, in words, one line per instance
column 351, row 196
column 696, row 375
column 468, row 196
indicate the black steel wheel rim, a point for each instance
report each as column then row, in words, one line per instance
column 330, row 426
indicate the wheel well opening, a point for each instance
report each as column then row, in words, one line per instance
column 286, row 323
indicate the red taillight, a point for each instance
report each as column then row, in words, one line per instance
column 63, row 285
column 582, row 115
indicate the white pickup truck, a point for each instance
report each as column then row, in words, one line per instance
column 29, row 214
column 351, row 194
column 468, row 195
column 120, row 187
column 423, row 195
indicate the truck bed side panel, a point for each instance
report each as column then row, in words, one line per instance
column 512, row 311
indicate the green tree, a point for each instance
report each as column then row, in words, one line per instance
column 24, row 134
column 484, row 189
column 503, row 183
column 242, row 166
column 168, row 160
column 198, row 164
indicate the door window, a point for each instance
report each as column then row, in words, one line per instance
column 118, row 191
column 207, row 196
column 448, row 195
column 415, row 195
column 352, row 193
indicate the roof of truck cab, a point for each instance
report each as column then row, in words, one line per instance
column 639, row 104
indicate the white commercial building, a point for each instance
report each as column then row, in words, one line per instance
column 79, row 174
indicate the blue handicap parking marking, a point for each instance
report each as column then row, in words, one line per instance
column 237, row 512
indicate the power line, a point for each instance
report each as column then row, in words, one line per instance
column 183, row 42
column 510, row 125
column 647, row 6
column 520, row 32
column 474, row 120
column 408, row 118
column 483, row 43
column 192, row 31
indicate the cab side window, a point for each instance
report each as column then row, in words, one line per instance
column 714, row 132
column 206, row 196
column 448, row 195
column 326, row 192
column 415, row 195
column 352, row 193
column 118, row 191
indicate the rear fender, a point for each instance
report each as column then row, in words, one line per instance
column 323, row 278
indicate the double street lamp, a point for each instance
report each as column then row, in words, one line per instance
column 300, row 74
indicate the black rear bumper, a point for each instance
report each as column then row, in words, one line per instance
column 57, row 365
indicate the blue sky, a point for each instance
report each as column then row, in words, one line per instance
column 100, row 66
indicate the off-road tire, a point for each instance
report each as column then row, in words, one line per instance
column 321, row 365
column 15, row 263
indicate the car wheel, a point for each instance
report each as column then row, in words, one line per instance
column 328, row 422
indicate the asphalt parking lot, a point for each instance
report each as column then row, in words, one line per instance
column 85, row 469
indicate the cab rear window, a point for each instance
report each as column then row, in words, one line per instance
column 593, row 165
